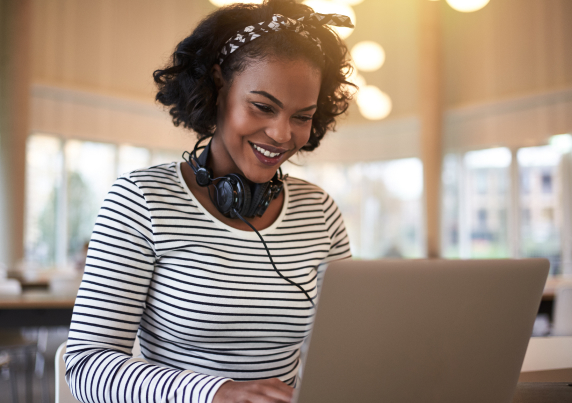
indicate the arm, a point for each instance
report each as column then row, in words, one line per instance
column 108, row 309
column 339, row 240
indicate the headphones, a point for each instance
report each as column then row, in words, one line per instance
column 237, row 197
column 233, row 192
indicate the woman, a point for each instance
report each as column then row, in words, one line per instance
column 220, row 316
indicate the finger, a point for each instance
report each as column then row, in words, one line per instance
column 279, row 390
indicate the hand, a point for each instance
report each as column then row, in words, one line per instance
column 263, row 391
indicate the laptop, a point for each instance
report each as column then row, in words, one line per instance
column 445, row 331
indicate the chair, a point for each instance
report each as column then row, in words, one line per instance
column 22, row 356
column 63, row 393
column 5, row 364
column 562, row 314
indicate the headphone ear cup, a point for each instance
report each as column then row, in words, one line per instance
column 243, row 195
column 203, row 177
column 260, row 190
column 225, row 196
column 233, row 193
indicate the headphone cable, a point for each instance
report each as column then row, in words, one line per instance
column 272, row 261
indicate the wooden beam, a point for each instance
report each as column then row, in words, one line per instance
column 15, row 70
column 431, row 116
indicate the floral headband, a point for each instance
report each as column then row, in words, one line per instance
column 278, row 23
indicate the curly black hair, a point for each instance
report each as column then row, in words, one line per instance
column 186, row 85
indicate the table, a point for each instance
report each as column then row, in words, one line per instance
column 36, row 308
column 543, row 392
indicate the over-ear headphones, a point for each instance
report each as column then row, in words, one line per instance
column 233, row 192
column 237, row 197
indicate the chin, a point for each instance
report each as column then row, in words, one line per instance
column 262, row 175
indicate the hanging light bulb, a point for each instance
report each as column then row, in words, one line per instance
column 348, row 2
column 328, row 7
column 368, row 55
column 373, row 103
column 466, row 6
column 357, row 79
column 222, row 3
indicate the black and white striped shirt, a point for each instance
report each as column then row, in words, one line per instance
column 202, row 296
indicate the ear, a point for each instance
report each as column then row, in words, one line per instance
column 216, row 73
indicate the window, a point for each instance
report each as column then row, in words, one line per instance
column 482, row 220
column 486, row 173
column 450, row 211
column 66, row 182
column 90, row 171
column 131, row 158
column 540, row 233
column 525, row 218
column 524, row 180
column 498, row 206
column 481, row 177
column 380, row 201
column 546, row 182
column 44, row 171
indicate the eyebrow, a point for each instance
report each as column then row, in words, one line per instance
column 277, row 102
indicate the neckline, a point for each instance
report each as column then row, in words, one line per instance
column 242, row 233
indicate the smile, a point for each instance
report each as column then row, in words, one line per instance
column 265, row 152
column 268, row 155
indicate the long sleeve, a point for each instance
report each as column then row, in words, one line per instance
column 340, row 243
column 108, row 310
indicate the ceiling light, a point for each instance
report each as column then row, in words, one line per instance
column 368, row 55
column 327, row 7
column 467, row 6
column 222, row 3
column 357, row 79
column 373, row 103
column 348, row 2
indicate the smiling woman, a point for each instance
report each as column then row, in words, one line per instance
column 221, row 304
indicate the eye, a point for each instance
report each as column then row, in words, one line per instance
column 264, row 108
column 303, row 118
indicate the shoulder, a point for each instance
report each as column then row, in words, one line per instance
column 163, row 172
column 156, row 180
column 299, row 188
column 307, row 194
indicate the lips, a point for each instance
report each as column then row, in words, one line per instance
column 268, row 155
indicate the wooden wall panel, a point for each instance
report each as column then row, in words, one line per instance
column 394, row 25
column 107, row 46
column 509, row 48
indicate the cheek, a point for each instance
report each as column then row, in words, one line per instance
column 302, row 135
column 242, row 122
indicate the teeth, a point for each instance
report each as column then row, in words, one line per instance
column 265, row 152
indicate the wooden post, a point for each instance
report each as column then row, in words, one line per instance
column 15, row 70
column 431, row 117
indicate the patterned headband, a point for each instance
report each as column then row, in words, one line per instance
column 278, row 23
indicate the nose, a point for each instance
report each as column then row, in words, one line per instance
column 280, row 130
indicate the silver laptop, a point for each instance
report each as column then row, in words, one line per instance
column 445, row 331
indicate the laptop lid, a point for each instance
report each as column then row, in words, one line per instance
column 422, row 330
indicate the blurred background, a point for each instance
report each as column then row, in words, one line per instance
column 457, row 145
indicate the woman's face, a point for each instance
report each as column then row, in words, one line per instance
column 264, row 116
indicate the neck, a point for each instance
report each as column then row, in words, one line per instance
column 220, row 161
